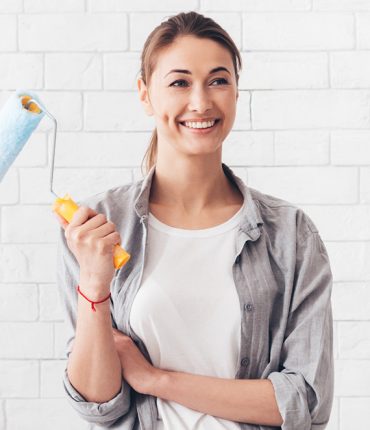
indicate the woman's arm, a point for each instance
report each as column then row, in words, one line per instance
column 93, row 381
column 248, row 401
column 304, row 384
column 94, row 368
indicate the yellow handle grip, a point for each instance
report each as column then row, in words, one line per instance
column 66, row 207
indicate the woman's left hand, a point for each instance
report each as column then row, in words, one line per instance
column 136, row 369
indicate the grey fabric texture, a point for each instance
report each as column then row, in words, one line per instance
column 283, row 279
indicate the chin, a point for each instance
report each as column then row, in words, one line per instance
column 197, row 148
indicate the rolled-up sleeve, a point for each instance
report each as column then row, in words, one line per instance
column 67, row 279
column 105, row 413
column 304, row 386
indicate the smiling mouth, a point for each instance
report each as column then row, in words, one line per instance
column 200, row 128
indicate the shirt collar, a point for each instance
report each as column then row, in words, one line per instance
column 251, row 218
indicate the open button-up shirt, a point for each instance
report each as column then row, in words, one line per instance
column 283, row 279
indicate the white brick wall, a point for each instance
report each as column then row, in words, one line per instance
column 302, row 133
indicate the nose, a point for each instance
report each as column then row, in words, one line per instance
column 200, row 99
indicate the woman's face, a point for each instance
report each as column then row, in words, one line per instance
column 199, row 92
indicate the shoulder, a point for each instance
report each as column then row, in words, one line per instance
column 114, row 202
column 282, row 216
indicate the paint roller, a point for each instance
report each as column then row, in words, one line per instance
column 19, row 117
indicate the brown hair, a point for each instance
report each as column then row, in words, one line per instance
column 189, row 23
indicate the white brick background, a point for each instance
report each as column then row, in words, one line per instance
column 302, row 133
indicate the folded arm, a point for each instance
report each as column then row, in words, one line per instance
column 248, row 401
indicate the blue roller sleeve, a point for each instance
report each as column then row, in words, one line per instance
column 16, row 126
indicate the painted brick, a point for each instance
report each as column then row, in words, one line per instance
column 354, row 340
column 73, row 71
column 28, row 224
column 349, row 260
column 51, row 378
column 50, row 303
column 255, row 5
column 311, row 109
column 350, row 147
column 121, row 71
column 141, row 5
column 352, row 378
column 86, row 32
column 354, row 412
column 25, row 70
column 122, row 112
column 283, row 70
column 8, row 31
column 27, row 263
column 9, row 6
column 114, row 149
column 365, row 185
column 18, row 302
column 297, row 148
column 341, row 222
column 308, row 185
column 343, row 5
column 44, row 414
column 34, row 152
column 363, row 30
column 19, row 378
column 248, row 148
column 26, row 340
column 351, row 301
column 298, row 31
column 9, row 187
column 45, row 6
column 349, row 69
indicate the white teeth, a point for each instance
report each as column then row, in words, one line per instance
column 205, row 124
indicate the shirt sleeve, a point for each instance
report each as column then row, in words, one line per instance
column 67, row 279
column 304, row 386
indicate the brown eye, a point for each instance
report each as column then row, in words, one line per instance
column 224, row 81
column 179, row 80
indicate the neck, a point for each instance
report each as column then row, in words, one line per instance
column 192, row 185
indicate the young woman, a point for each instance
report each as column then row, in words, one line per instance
column 222, row 316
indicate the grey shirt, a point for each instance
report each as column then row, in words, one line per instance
column 283, row 279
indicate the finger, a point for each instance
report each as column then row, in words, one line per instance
column 99, row 227
column 82, row 214
column 111, row 239
column 99, row 223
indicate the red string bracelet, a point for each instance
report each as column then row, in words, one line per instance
column 91, row 301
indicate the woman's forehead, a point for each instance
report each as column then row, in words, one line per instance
column 196, row 55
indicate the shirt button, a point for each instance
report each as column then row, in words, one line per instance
column 245, row 361
column 237, row 260
column 248, row 307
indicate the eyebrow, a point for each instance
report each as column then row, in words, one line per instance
column 188, row 72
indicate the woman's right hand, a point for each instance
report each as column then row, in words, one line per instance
column 91, row 239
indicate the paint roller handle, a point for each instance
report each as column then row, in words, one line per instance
column 66, row 208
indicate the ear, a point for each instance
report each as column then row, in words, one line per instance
column 144, row 96
column 237, row 95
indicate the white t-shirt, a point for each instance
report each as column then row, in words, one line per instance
column 187, row 311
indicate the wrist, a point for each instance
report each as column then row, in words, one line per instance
column 93, row 292
column 158, row 382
